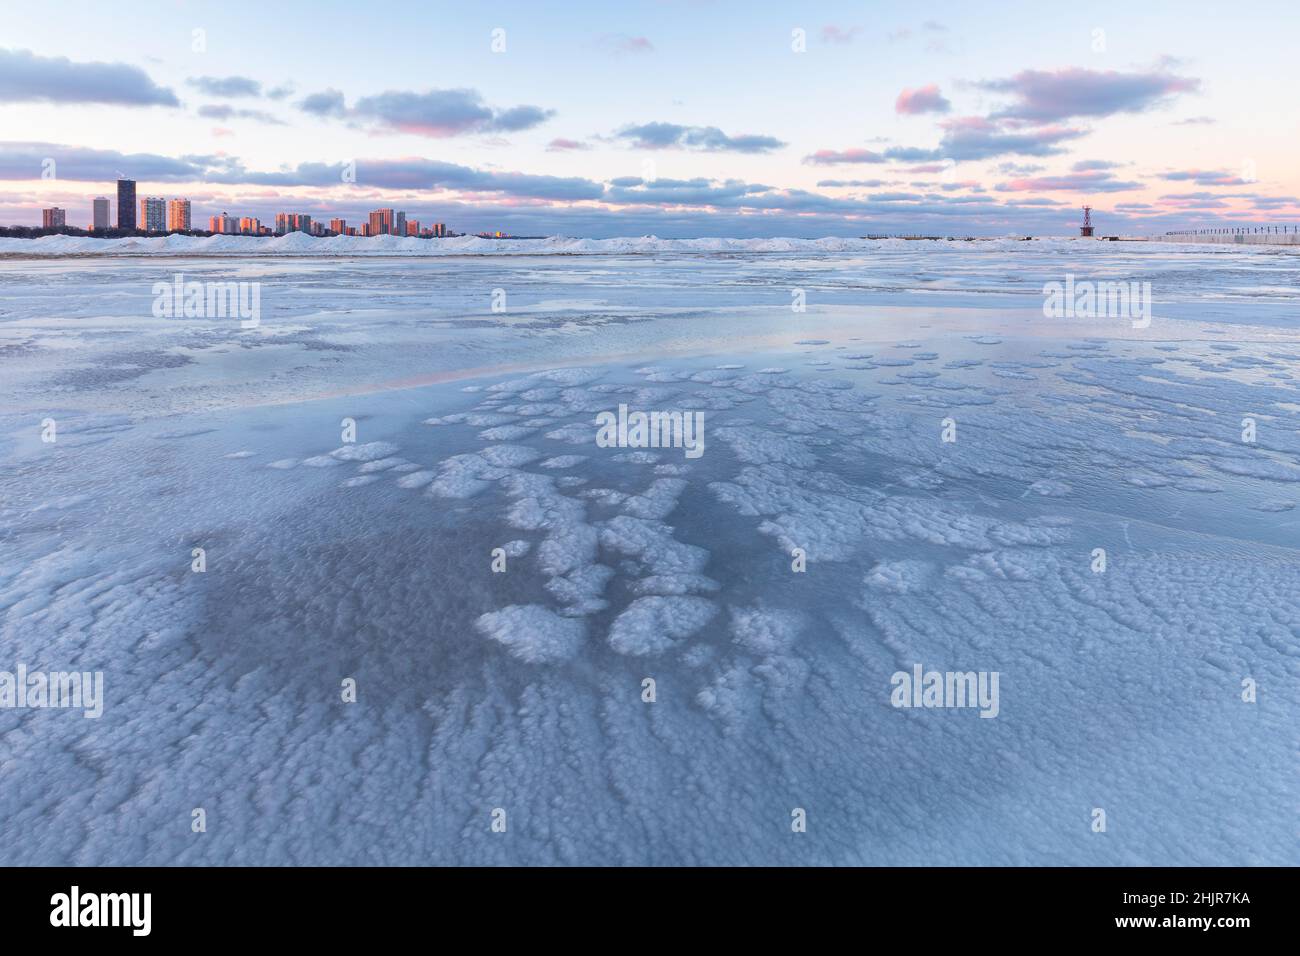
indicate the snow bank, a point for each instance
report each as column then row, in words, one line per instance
column 301, row 244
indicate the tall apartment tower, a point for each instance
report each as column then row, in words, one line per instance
column 286, row 222
column 224, row 225
column 178, row 215
column 53, row 218
column 339, row 226
column 126, row 204
column 153, row 214
column 381, row 222
column 99, row 214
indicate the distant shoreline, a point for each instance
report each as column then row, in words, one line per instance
column 299, row 245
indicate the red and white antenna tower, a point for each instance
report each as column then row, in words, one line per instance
column 1086, row 229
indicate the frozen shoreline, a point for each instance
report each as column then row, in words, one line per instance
column 300, row 244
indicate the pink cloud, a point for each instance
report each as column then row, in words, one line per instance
column 968, row 124
column 1095, row 181
column 831, row 157
column 923, row 99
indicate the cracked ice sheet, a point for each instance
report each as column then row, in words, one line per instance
column 522, row 689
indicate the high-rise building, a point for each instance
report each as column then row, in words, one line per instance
column 439, row 230
column 412, row 227
column 178, row 215
column 381, row 222
column 339, row 226
column 292, row 222
column 53, row 218
column 126, row 204
column 387, row 222
column 153, row 214
column 249, row 226
column 99, row 214
column 223, row 224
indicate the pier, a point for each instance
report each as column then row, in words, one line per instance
column 1272, row 235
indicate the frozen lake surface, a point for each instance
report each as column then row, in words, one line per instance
column 522, row 690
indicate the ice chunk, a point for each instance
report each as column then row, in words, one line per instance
column 652, row 625
column 533, row 633
column 368, row 451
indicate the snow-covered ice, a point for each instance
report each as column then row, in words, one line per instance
column 828, row 537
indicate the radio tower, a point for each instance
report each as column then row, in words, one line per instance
column 1085, row 231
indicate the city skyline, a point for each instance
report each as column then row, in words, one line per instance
column 826, row 122
column 158, row 215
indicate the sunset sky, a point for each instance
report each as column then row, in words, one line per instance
column 674, row 118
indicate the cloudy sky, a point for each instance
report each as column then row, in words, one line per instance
column 671, row 117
